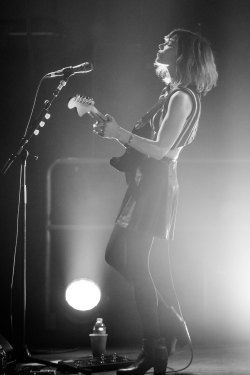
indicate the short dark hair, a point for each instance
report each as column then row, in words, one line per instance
column 195, row 65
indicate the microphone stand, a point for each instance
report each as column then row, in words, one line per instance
column 21, row 350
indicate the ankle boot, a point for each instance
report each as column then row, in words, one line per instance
column 153, row 354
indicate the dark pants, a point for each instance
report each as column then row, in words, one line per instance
column 128, row 252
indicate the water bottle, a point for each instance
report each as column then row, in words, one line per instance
column 99, row 327
column 98, row 338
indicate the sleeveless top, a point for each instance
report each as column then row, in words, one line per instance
column 155, row 115
column 150, row 203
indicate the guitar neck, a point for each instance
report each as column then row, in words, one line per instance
column 97, row 114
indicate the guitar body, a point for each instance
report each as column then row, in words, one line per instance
column 127, row 162
column 131, row 159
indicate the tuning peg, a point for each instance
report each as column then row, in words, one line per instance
column 75, row 98
column 88, row 100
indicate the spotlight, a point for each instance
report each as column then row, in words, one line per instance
column 83, row 294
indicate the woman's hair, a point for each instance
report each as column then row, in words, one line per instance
column 195, row 65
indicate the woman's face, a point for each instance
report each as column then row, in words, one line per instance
column 167, row 53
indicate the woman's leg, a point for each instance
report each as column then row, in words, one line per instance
column 128, row 253
column 116, row 251
column 139, row 246
column 135, row 267
column 171, row 324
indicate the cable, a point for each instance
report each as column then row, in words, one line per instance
column 33, row 106
column 15, row 251
column 180, row 314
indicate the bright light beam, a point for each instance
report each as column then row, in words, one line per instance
column 83, row 294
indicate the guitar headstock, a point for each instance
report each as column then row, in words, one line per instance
column 82, row 104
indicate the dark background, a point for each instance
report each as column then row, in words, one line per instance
column 210, row 255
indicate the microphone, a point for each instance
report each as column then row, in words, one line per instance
column 85, row 67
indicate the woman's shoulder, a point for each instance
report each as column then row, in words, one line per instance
column 181, row 98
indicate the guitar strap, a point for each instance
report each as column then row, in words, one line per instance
column 149, row 114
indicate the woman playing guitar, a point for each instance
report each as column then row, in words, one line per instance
column 185, row 63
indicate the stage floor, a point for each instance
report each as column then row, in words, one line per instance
column 226, row 360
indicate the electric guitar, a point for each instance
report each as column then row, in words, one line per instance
column 131, row 158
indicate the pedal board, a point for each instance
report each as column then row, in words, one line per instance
column 109, row 362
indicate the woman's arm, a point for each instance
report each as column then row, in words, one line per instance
column 179, row 108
